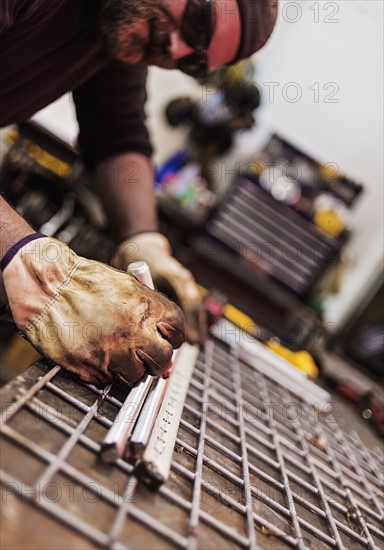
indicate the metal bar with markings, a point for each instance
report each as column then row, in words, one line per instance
column 153, row 469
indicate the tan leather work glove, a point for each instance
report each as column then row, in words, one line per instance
column 168, row 275
column 89, row 318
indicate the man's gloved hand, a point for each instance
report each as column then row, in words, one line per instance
column 89, row 318
column 168, row 275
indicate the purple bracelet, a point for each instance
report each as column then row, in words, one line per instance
column 16, row 247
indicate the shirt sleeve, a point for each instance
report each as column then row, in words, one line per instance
column 9, row 12
column 111, row 114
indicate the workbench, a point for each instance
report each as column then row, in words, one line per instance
column 261, row 461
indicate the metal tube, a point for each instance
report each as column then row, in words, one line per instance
column 148, row 413
column 141, row 271
column 50, row 227
column 115, row 442
column 144, row 425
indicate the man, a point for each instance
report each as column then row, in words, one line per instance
column 86, row 316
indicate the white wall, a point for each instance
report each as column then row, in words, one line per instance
column 347, row 56
column 338, row 45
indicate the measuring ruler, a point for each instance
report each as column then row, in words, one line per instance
column 154, row 466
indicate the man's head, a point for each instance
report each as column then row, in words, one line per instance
column 194, row 35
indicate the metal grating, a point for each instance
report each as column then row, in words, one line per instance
column 255, row 465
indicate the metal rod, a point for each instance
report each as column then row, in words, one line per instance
column 147, row 417
column 13, row 408
column 141, row 271
column 145, row 422
column 115, row 441
column 148, row 413
column 50, row 227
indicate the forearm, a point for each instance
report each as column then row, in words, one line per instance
column 12, row 228
column 125, row 185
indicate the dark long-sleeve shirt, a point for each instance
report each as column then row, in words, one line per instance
column 49, row 47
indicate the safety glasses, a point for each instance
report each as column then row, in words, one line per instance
column 196, row 30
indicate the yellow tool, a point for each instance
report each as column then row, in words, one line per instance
column 241, row 320
column 300, row 359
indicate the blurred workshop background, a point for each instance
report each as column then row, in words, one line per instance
column 298, row 135
column 270, row 188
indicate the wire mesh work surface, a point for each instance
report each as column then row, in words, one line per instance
column 255, row 465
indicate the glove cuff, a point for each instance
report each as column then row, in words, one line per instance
column 8, row 257
column 36, row 275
